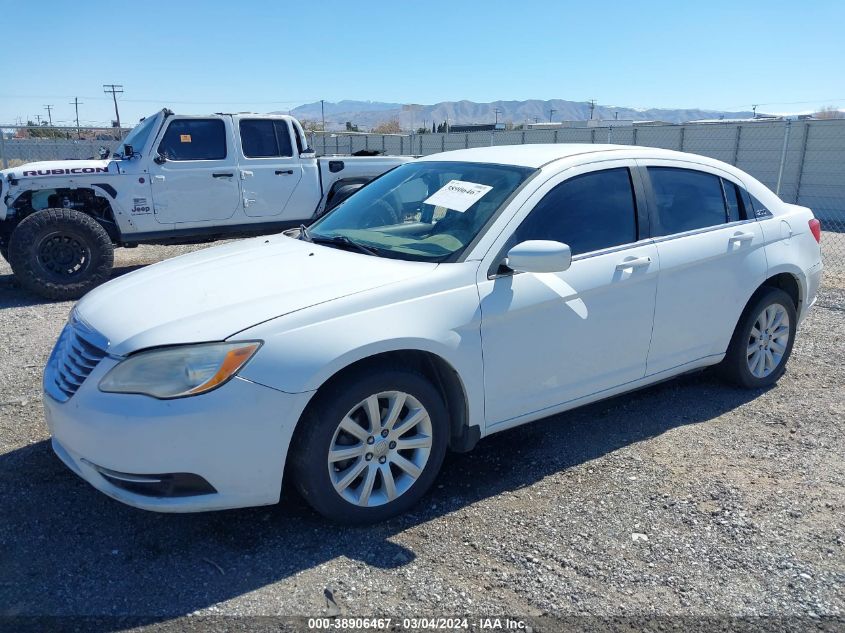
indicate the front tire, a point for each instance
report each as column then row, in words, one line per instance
column 60, row 254
column 762, row 342
column 371, row 446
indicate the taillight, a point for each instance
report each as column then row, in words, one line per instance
column 816, row 229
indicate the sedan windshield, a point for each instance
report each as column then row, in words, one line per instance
column 425, row 211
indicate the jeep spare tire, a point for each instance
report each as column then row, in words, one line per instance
column 60, row 253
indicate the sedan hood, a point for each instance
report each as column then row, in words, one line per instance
column 212, row 294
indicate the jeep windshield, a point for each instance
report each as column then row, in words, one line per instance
column 423, row 211
column 139, row 135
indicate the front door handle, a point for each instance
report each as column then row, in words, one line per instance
column 742, row 237
column 636, row 262
column 226, row 175
column 281, row 172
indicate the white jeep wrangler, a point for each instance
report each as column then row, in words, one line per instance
column 177, row 179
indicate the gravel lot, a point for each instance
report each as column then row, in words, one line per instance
column 688, row 498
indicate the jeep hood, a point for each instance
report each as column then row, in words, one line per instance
column 48, row 168
column 212, row 294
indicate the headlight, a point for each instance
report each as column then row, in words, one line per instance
column 175, row 372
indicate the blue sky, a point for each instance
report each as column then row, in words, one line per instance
column 200, row 57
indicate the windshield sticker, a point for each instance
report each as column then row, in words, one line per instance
column 185, row 138
column 458, row 195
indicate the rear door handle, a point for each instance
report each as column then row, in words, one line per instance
column 282, row 172
column 226, row 175
column 637, row 262
column 742, row 237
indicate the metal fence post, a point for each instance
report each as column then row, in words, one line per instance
column 3, row 149
column 443, row 142
column 634, row 136
column 401, row 144
column 466, row 141
column 736, row 144
column 786, row 127
column 801, row 161
column 350, row 143
column 556, row 136
column 683, row 133
column 610, row 134
column 593, row 135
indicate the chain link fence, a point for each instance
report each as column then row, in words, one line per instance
column 26, row 144
column 802, row 161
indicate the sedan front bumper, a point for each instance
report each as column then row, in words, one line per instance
column 222, row 449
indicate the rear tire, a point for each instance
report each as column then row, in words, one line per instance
column 762, row 342
column 60, row 254
column 352, row 471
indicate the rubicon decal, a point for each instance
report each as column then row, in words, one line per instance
column 64, row 172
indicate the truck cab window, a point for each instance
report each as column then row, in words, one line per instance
column 265, row 138
column 194, row 139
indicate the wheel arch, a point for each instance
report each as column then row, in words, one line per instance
column 105, row 214
column 434, row 367
column 791, row 280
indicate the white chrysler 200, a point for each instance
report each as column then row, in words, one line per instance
column 455, row 296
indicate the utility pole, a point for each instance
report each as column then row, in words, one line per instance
column 592, row 103
column 75, row 103
column 38, row 119
column 551, row 114
column 497, row 111
column 323, row 114
column 754, row 110
column 114, row 89
column 49, row 109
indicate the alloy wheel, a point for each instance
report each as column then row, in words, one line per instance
column 380, row 448
column 768, row 340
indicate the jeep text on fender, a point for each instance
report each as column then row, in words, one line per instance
column 174, row 179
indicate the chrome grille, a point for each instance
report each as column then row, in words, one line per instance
column 76, row 354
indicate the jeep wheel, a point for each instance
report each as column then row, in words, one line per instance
column 60, row 253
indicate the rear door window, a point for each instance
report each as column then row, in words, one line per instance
column 686, row 200
column 265, row 138
column 194, row 139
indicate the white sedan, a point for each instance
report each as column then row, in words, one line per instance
column 456, row 296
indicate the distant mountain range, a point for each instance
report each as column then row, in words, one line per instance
column 368, row 114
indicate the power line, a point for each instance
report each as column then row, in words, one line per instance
column 114, row 89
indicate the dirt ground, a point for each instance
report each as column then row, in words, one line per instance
column 690, row 498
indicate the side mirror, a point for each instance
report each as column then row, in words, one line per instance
column 539, row 256
column 159, row 159
column 128, row 151
column 308, row 152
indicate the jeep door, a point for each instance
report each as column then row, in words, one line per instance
column 194, row 171
column 270, row 170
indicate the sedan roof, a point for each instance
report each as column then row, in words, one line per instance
column 537, row 155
